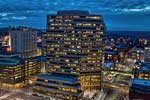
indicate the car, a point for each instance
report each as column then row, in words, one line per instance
column 34, row 95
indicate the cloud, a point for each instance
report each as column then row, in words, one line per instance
column 13, row 18
column 6, row 14
column 4, row 18
column 19, row 18
column 132, row 10
column 49, row 5
column 147, row 8
column 129, row 10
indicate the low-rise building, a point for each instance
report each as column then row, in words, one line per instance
column 144, row 71
column 140, row 85
column 139, row 90
column 111, row 56
column 32, row 68
column 65, row 87
column 136, row 54
column 12, row 72
column 16, row 72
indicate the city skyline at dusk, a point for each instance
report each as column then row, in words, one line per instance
column 74, row 50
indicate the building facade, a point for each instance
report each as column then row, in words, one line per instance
column 74, row 46
column 32, row 68
column 140, row 85
column 12, row 72
column 147, row 54
column 139, row 90
column 23, row 40
column 16, row 72
column 57, row 86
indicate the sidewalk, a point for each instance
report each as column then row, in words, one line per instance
column 5, row 96
column 102, row 95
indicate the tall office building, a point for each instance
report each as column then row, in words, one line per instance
column 74, row 46
column 23, row 40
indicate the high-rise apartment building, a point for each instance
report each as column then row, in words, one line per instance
column 73, row 44
column 23, row 40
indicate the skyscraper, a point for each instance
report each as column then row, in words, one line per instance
column 23, row 40
column 73, row 44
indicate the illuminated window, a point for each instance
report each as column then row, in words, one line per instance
column 67, row 60
column 78, row 46
column 93, row 17
column 51, row 20
column 46, row 80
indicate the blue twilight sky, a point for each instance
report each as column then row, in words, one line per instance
column 118, row 14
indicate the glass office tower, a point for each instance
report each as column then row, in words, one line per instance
column 74, row 46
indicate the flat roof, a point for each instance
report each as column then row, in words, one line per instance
column 9, row 53
column 22, row 28
column 109, row 52
column 58, row 78
column 107, row 65
column 73, row 12
column 120, row 45
column 141, row 82
column 37, row 58
column 7, row 61
column 145, row 67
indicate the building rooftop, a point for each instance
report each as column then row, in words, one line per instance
column 7, row 61
column 22, row 28
column 37, row 58
column 136, row 50
column 9, row 54
column 109, row 52
column 121, row 46
column 58, row 78
column 73, row 12
column 140, row 82
column 145, row 67
column 108, row 65
column 140, row 86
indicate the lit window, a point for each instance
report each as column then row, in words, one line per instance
column 46, row 80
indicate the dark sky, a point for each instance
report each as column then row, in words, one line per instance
column 118, row 14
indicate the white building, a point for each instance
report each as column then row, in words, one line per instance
column 23, row 40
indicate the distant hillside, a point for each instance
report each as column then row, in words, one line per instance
column 137, row 34
column 142, row 34
column 4, row 31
